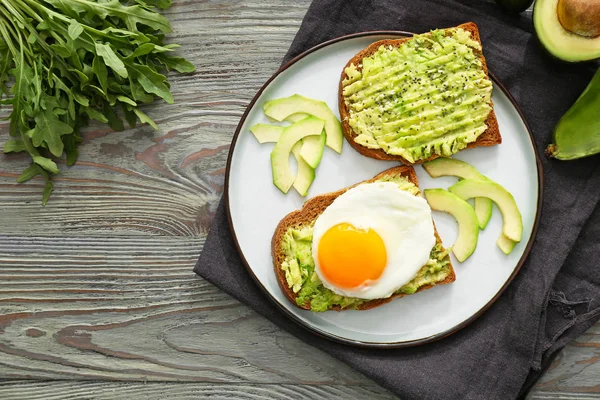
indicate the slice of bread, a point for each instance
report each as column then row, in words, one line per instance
column 489, row 137
column 309, row 213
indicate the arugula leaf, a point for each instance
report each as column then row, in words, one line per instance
column 71, row 142
column 157, row 3
column 30, row 172
column 46, row 163
column 130, row 15
column 144, row 118
column 47, row 192
column 75, row 29
column 65, row 62
column 14, row 146
column 177, row 63
column 152, row 81
column 101, row 72
column 111, row 59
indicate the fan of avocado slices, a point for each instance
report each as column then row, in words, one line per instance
column 64, row 62
column 473, row 185
column 313, row 126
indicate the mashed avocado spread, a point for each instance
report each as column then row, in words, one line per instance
column 301, row 277
column 428, row 96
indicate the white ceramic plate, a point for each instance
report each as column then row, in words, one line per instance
column 255, row 206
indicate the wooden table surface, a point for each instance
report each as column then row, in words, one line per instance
column 97, row 295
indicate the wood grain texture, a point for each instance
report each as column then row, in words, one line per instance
column 56, row 390
column 97, row 295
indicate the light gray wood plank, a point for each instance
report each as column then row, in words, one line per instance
column 132, row 309
column 576, row 371
column 56, row 390
column 537, row 395
column 98, row 284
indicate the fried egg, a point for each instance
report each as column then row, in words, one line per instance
column 372, row 240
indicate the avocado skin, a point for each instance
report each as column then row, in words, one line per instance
column 514, row 6
column 577, row 134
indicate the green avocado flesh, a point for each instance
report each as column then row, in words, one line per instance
column 312, row 149
column 577, row 134
column 512, row 226
column 557, row 40
column 283, row 177
column 428, row 96
column 463, row 213
column 452, row 167
column 282, row 108
column 505, row 244
column 306, row 173
column 296, row 117
column 312, row 146
column 266, row 133
column 299, row 266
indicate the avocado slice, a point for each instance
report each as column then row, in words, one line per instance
column 559, row 41
column 296, row 117
column 512, row 226
column 306, row 173
column 505, row 244
column 266, row 133
column 463, row 213
column 280, row 109
column 283, row 177
column 312, row 149
column 452, row 167
column 577, row 134
column 312, row 146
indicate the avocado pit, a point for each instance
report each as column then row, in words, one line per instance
column 581, row 17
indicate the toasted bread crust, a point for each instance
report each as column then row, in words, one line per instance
column 315, row 207
column 489, row 137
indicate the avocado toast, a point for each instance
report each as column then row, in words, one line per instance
column 418, row 98
column 294, row 265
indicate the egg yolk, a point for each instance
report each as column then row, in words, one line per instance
column 349, row 256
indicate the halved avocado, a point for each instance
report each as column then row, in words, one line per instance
column 282, row 108
column 283, row 177
column 468, row 227
column 512, row 226
column 562, row 35
column 451, row 167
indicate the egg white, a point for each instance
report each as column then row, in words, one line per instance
column 402, row 220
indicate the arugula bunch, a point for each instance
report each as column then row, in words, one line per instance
column 63, row 62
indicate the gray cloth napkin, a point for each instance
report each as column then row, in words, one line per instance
column 554, row 298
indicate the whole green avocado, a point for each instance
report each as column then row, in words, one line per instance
column 577, row 134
